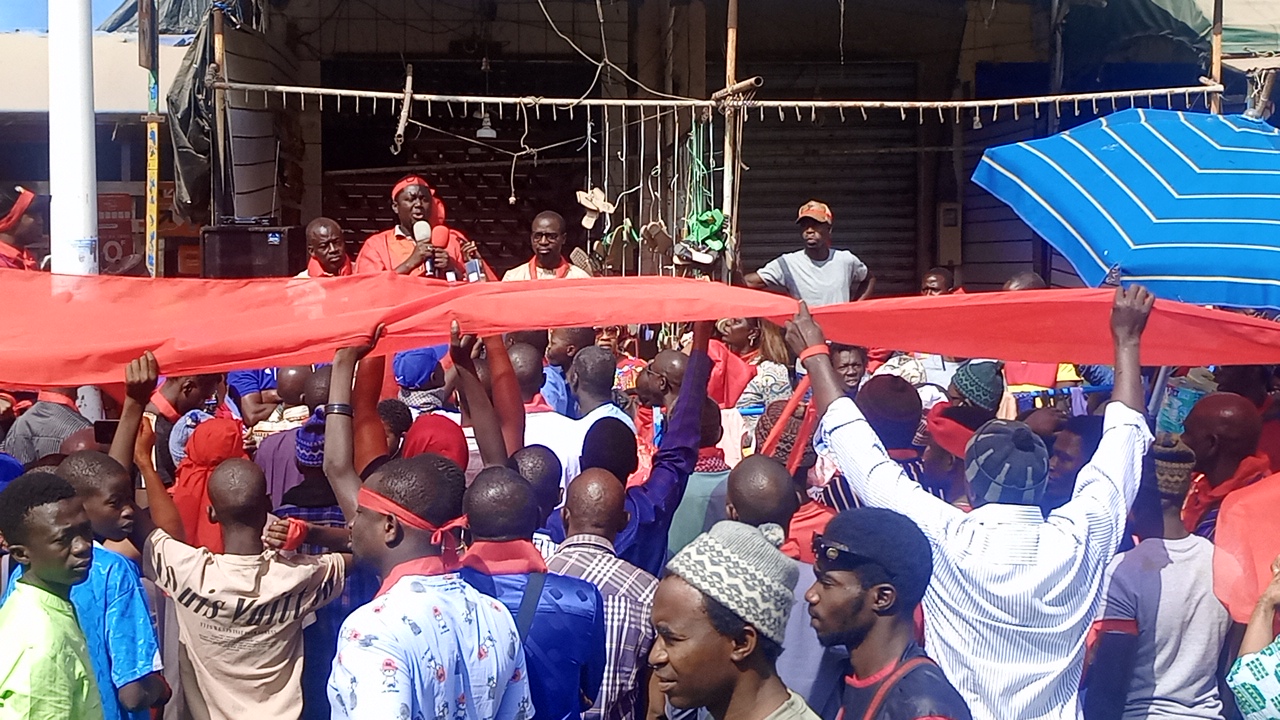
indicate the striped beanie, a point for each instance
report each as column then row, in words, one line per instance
column 1007, row 463
column 981, row 381
column 1174, row 463
column 741, row 567
column 309, row 446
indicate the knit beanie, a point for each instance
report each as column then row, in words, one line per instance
column 981, row 381
column 1174, row 463
column 1007, row 463
column 309, row 446
column 741, row 567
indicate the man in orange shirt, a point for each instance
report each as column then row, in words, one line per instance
column 396, row 250
column 19, row 228
column 1222, row 430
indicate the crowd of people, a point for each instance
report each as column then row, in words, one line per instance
column 751, row 524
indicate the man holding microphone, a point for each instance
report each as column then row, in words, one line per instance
column 420, row 244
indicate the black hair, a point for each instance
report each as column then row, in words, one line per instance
column 540, row 467
column 500, row 505
column 537, row 338
column 943, row 273
column 596, row 368
column 396, row 415
column 579, row 337
column 88, row 470
column 856, row 349
column 51, row 461
column 729, row 624
column 1089, row 429
column 27, row 492
column 316, row 389
column 428, row 485
column 527, row 363
column 710, row 424
column 610, row 445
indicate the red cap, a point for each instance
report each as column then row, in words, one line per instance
column 948, row 434
column 815, row 210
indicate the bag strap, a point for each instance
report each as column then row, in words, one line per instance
column 890, row 682
column 529, row 603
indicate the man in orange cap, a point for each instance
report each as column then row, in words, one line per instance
column 817, row 274
column 396, row 250
column 19, row 229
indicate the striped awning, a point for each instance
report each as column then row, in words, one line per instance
column 1187, row 204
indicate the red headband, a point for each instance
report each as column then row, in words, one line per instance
column 947, row 433
column 439, row 535
column 407, row 182
column 11, row 218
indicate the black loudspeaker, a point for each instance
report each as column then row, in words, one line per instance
column 249, row 251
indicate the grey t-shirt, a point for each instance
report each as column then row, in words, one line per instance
column 1167, row 587
column 817, row 283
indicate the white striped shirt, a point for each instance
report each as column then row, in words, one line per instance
column 1012, row 594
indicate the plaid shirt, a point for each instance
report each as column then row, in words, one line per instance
column 628, row 600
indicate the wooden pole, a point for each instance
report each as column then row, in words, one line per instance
column 149, row 58
column 1215, row 65
column 730, row 140
column 220, row 123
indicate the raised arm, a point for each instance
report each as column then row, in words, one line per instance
column 484, row 420
column 1129, row 316
column 846, row 436
column 339, row 444
column 1106, row 487
column 132, row 444
column 369, row 437
column 506, row 393
column 678, row 452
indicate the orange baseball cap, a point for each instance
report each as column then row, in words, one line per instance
column 815, row 210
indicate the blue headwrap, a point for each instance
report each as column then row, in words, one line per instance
column 182, row 431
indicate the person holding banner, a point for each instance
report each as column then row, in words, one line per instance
column 1013, row 593
column 420, row 244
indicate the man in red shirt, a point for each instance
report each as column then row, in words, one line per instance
column 396, row 250
column 326, row 250
column 19, row 229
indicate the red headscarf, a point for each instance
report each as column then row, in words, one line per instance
column 436, row 434
column 9, row 222
column 212, row 442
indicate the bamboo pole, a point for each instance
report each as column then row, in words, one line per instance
column 730, row 141
column 1215, row 65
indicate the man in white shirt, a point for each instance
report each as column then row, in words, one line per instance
column 591, row 380
column 817, row 274
column 1013, row 593
column 547, row 240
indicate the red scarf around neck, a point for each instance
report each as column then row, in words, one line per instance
column 509, row 557
column 562, row 270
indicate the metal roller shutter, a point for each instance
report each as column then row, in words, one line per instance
column 866, row 170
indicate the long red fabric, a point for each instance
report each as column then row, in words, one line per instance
column 67, row 330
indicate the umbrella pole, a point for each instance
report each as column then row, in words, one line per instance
column 1215, row 62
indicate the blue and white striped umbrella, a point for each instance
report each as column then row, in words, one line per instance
column 1187, row 204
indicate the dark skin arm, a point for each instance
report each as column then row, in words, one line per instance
column 147, row 691
column 1109, row 676
column 337, row 539
column 256, row 407
column 339, row 444
column 863, row 290
column 1129, row 315
column 506, row 393
column 370, row 439
column 484, row 420
column 133, row 442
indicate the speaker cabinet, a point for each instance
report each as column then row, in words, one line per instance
column 250, row 251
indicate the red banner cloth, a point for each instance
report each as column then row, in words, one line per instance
column 67, row 330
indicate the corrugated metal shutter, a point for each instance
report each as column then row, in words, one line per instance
column 995, row 243
column 851, row 165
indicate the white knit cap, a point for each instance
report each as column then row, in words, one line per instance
column 741, row 567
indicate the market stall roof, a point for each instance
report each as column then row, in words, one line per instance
column 1248, row 26
column 119, row 84
column 172, row 16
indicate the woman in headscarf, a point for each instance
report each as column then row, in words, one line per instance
column 212, row 442
column 436, row 434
